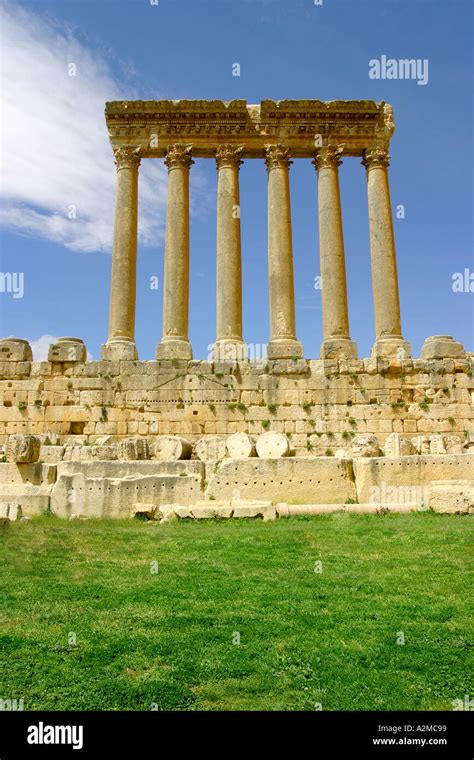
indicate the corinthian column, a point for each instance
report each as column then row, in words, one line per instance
column 121, row 340
column 388, row 330
column 229, row 344
column 175, row 343
column 283, row 343
column 336, row 340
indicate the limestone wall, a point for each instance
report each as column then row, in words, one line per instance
column 320, row 405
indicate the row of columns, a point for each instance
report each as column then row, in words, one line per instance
column 283, row 342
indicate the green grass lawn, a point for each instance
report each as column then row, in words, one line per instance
column 306, row 638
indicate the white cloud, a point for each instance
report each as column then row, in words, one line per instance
column 40, row 348
column 54, row 141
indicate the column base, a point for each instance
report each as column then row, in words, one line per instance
column 285, row 348
column 229, row 351
column 442, row 347
column 338, row 348
column 391, row 347
column 174, row 348
column 119, row 350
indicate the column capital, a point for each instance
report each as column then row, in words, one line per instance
column 179, row 155
column 328, row 157
column 127, row 157
column 376, row 158
column 229, row 155
column 277, row 156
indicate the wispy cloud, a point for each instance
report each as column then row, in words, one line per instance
column 56, row 154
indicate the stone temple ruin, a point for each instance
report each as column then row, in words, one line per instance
column 236, row 436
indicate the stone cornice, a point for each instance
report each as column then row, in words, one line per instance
column 204, row 124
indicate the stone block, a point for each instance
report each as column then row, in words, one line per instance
column 15, row 350
column 23, row 449
column 451, row 496
column 365, row 446
column 51, row 454
column 283, row 479
column 133, row 449
column 67, row 350
column 396, row 445
column 441, row 347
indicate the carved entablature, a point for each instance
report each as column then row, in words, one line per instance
column 205, row 124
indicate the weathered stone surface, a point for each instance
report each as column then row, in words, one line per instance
column 67, row 350
column 102, row 453
column 365, row 446
column 274, row 445
column 240, row 446
column 397, row 445
column 51, row 454
column 23, row 449
column 451, row 496
column 441, row 347
column 110, row 489
column 172, row 448
column 9, row 512
column 211, row 448
column 133, row 449
column 284, row 479
column 407, row 473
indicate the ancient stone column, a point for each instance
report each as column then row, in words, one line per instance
column 336, row 340
column 389, row 340
column 121, row 340
column 283, row 343
column 175, row 342
column 229, row 344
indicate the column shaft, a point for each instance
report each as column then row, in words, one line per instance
column 336, row 340
column 229, row 344
column 121, row 338
column 389, row 340
column 175, row 343
column 283, row 343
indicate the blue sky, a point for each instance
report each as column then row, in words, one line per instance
column 56, row 155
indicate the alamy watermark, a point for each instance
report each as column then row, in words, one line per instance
column 403, row 68
column 12, row 282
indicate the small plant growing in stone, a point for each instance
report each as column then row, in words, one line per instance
column 451, row 421
column 183, row 474
column 231, row 406
column 70, row 385
column 266, row 369
column 21, row 406
column 104, row 415
column 241, row 407
column 38, row 402
column 311, row 422
column 212, row 498
column 346, row 435
column 87, row 406
column 309, row 445
column 330, row 435
column 352, row 422
column 424, row 404
column 272, row 408
column 446, row 390
column 174, row 362
column 265, row 424
column 398, row 404
column 349, row 403
column 350, row 500
column 212, row 407
column 119, row 385
column 219, row 374
column 306, row 406
column 329, row 453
